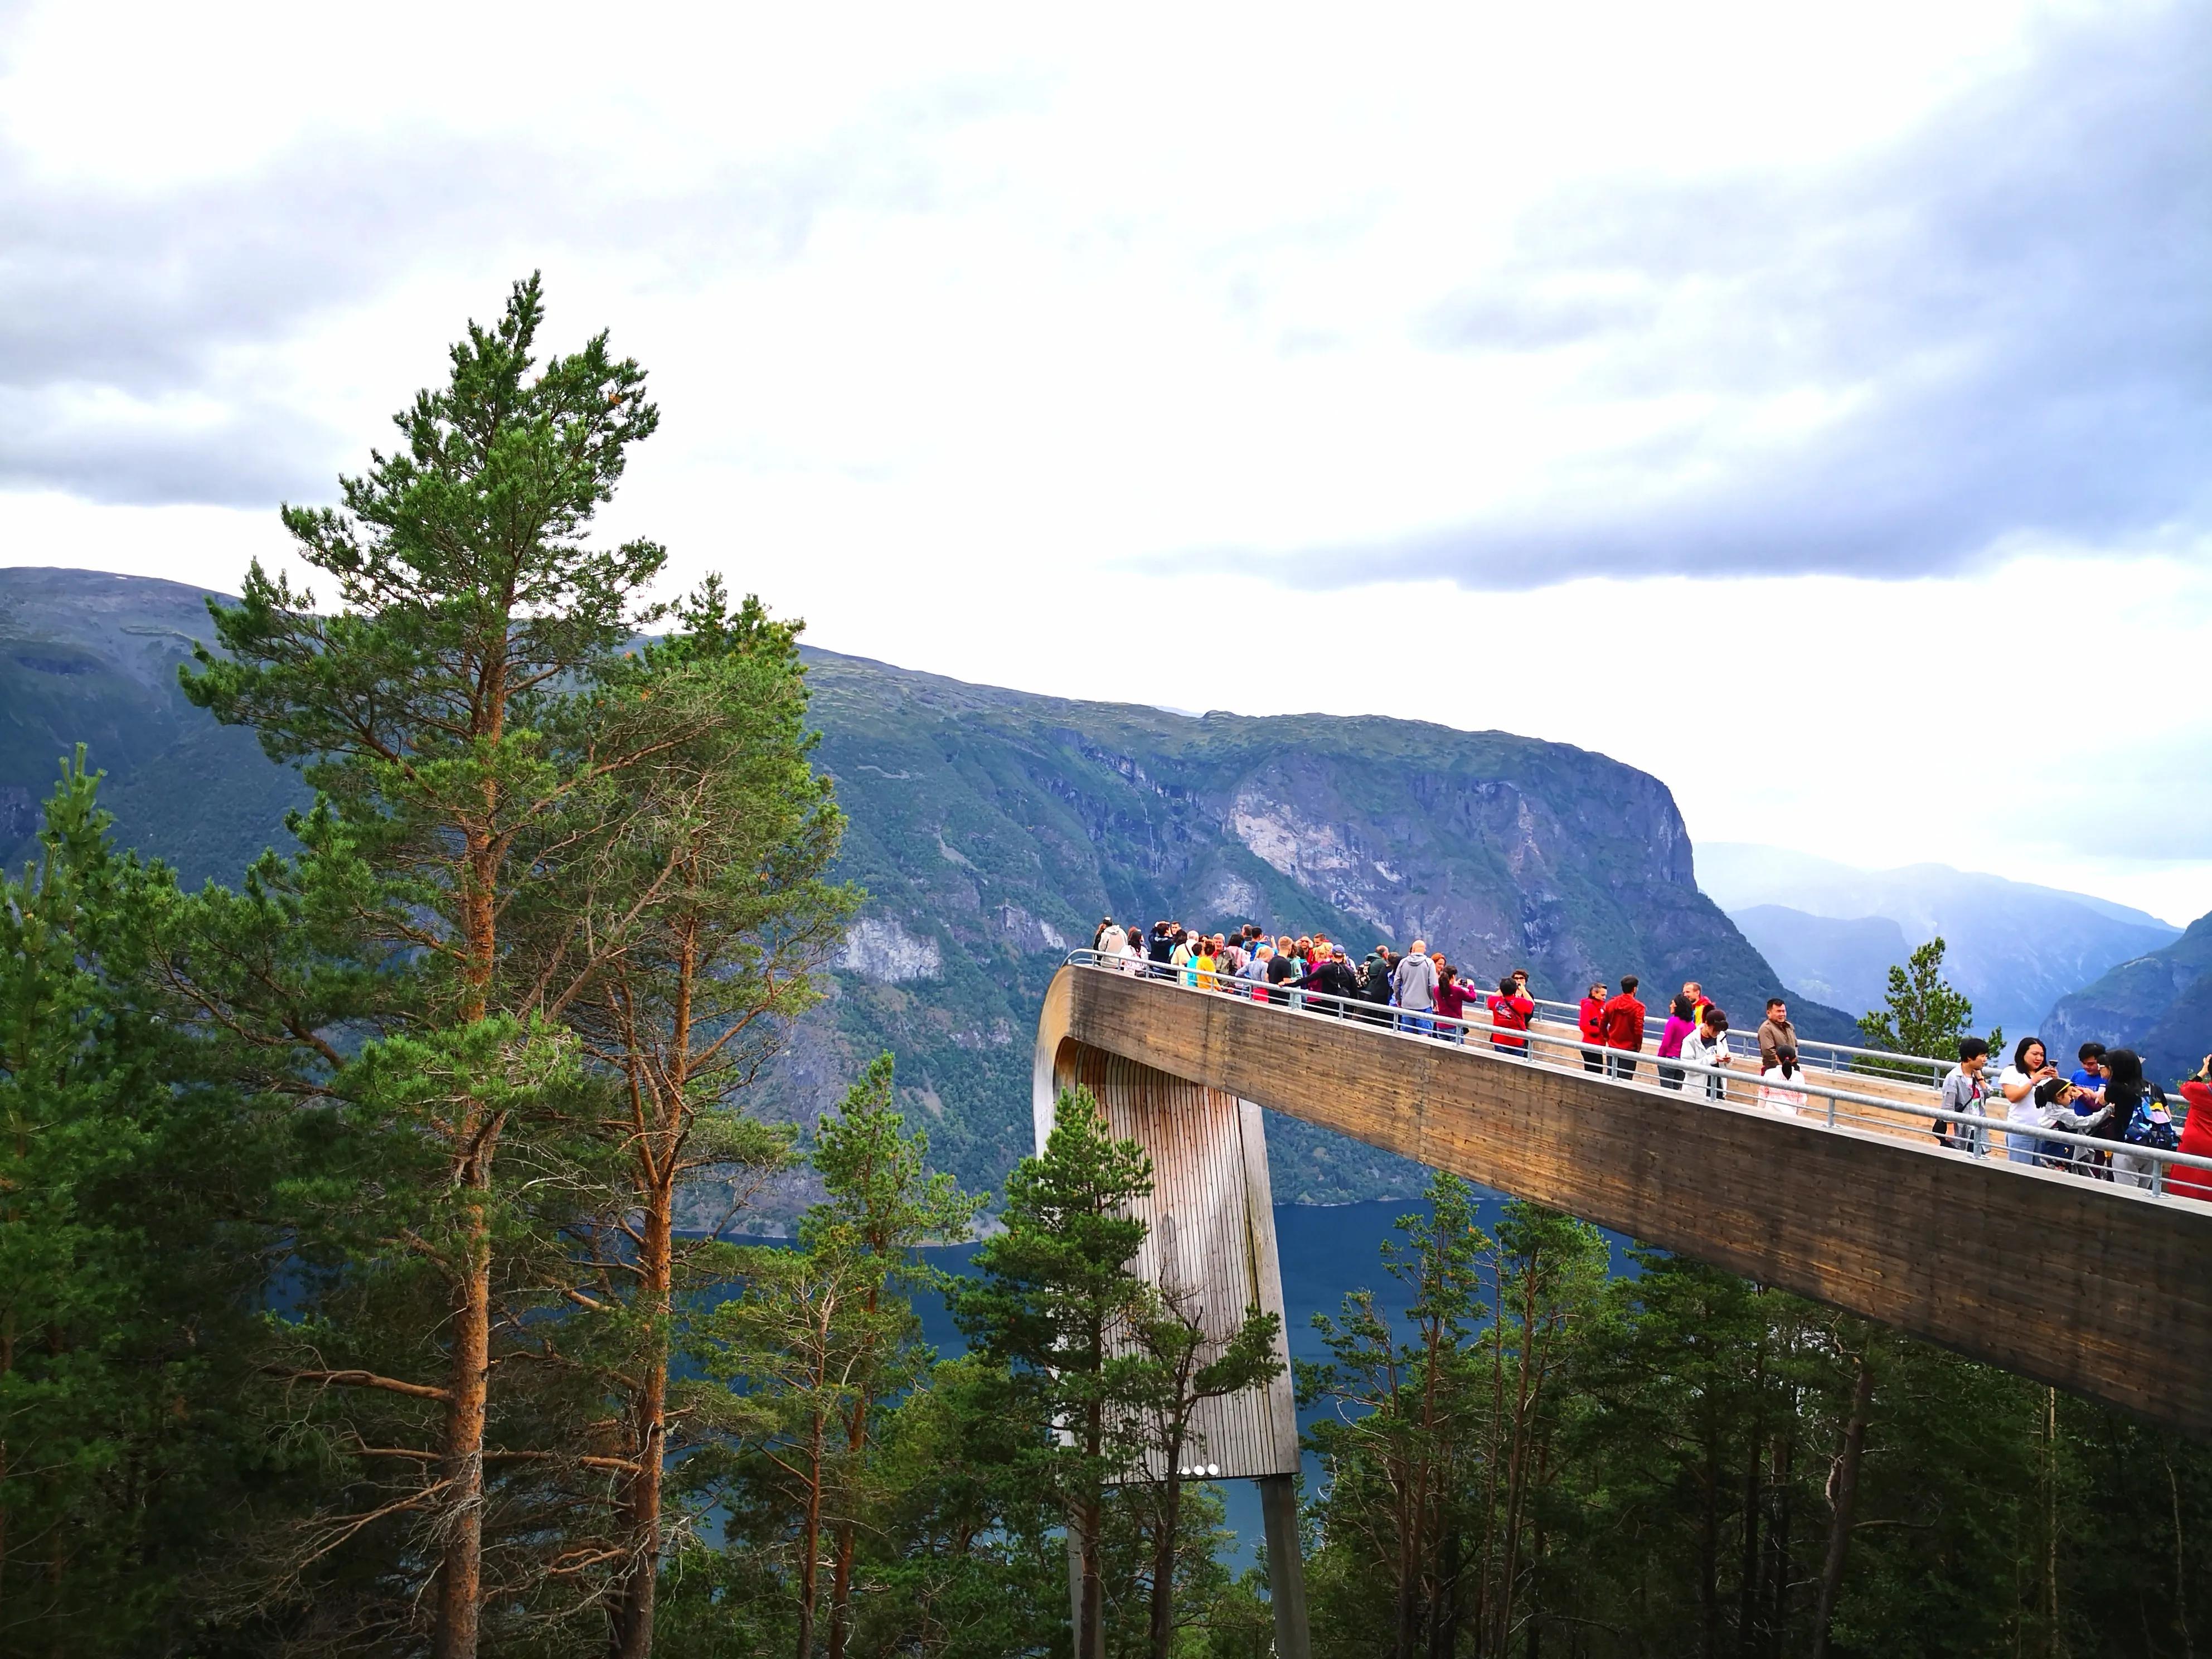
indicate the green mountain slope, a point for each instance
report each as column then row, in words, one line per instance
column 2159, row 1004
column 993, row 828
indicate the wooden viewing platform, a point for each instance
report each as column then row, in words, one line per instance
column 2101, row 1290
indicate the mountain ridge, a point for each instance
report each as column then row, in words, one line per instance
column 993, row 826
column 2015, row 948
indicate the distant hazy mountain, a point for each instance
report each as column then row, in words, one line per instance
column 2012, row 947
column 2159, row 1004
column 992, row 828
column 1845, row 963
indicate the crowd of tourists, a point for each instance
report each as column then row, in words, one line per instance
column 2108, row 1098
column 1423, row 991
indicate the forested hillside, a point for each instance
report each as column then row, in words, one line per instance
column 992, row 828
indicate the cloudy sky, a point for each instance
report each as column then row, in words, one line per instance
column 1811, row 405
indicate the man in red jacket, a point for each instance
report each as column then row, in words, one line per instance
column 1623, row 1024
column 1593, row 1023
column 1510, row 1009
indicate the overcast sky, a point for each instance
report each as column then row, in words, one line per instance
column 1812, row 406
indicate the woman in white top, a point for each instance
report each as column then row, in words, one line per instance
column 2016, row 1082
column 1708, row 1046
column 1775, row 1092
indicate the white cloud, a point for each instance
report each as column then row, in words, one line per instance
column 1084, row 354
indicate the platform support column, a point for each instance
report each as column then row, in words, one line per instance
column 1286, row 1567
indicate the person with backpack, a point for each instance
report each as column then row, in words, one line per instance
column 1335, row 981
column 2140, row 1118
column 1965, row 1089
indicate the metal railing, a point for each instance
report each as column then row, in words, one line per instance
column 2022, row 1146
column 1829, row 1056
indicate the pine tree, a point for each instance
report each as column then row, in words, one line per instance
column 1185, row 1365
column 1052, row 1303
column 429, row 710
column 795, row 1366
column 133, row 1253
column 1403, row 1446
column 1922, row 1015
column 680, row 951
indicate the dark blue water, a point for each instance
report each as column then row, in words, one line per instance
column 1326, row 1253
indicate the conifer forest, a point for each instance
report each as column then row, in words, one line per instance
column 353, row 1298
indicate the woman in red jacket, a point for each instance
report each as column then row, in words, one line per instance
column 1593, row 1023
column 2196, row 1137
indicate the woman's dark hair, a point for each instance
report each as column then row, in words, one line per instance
column 1506, row 984
column 1715, row 1017
column 2020, row 1052
column 1685, row 1006
column 2050, row 1089
column 1971, row 1048
column 2124, row 1089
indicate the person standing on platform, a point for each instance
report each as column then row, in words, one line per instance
column 2196, row 1136
column 1708, row 1045
column 1109, row 940
column 1452, row 998
column 1624, row 1030
column 1375, row 982
column 1255, row 970
column 1681, row 1020
column 2017, row 1082
column 2090, row 1077
column 1965, row 1089
column 1593, row 1027
column 1415, row 983
column 1335, row 979
column 1775, row 1034
column 1510, row 1009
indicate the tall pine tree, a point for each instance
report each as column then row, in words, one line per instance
column 427, row 709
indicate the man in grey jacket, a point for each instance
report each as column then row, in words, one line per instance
column 1415, row 983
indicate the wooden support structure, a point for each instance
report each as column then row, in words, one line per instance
column 1210, row 1241
column 2101, row 1290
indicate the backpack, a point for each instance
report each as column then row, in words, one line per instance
column 2157, row 1132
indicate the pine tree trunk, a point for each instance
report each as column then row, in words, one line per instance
column 840, row 1583
column 1777, row 1578
column 460, row 1571
column 1754, row 1448
column 809, row 1540
column 1164, row 1554
column 632, row 1612
column 1846, row 1494
column 1090, row 1600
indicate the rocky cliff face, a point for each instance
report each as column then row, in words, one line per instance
column 993, row 829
